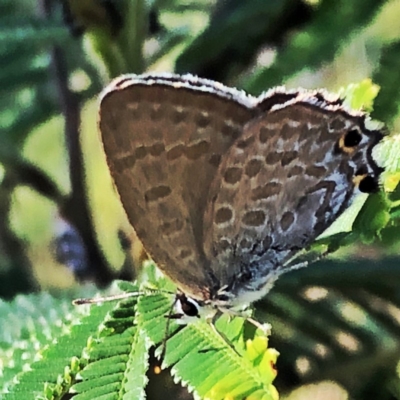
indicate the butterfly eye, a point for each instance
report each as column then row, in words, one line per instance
column 189, row 307
column 352, row 138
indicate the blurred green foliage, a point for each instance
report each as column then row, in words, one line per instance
column 61, row 222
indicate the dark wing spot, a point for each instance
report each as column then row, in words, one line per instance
column 140, row 152
column 156, row 149
column 197, row 150
column 125, row 162
column 253, row 167
column 224, row 214
column 273, row 158
column 288, row 157
column 287, row 132
column 175, row 152
column 287, row 220
column 229, row 130
column 242, row 144
column 254, row 218
column 202, row 120
column 222, row 245
column 265, row 134
column 178, row 116
column 215, row 160
column 171, row 227
column 157, row 193
column 245, row 244
column 296, row 170
column 232, row 175
column 263, row 192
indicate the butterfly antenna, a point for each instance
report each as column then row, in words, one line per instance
column 120, row 296
column 96, row 300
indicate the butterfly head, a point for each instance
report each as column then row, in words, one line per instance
column 232, row 299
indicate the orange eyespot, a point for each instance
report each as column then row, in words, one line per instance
column 349, row 141
column 365, row 183
column 358, row 178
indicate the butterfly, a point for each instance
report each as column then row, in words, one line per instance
column 224, row 188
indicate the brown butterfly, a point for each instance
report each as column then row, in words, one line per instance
column 224, row 188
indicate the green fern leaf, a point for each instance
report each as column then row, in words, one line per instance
column 118, row 361
column 201, row 357
column 58, row 365
column 28, row 323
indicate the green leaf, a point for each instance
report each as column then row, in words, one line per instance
column 201, row 357
column 28, row 323
column 360, row 95
column 387, row 153
column 373, row 217
column 54, row 372
column 118, row 359
column 31, row 32
column 112, row 363
column 387, row 76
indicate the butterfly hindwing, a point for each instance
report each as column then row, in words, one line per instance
column 290, row 175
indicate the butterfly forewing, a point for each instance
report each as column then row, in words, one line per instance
column 164, row 137
column 279, row 186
